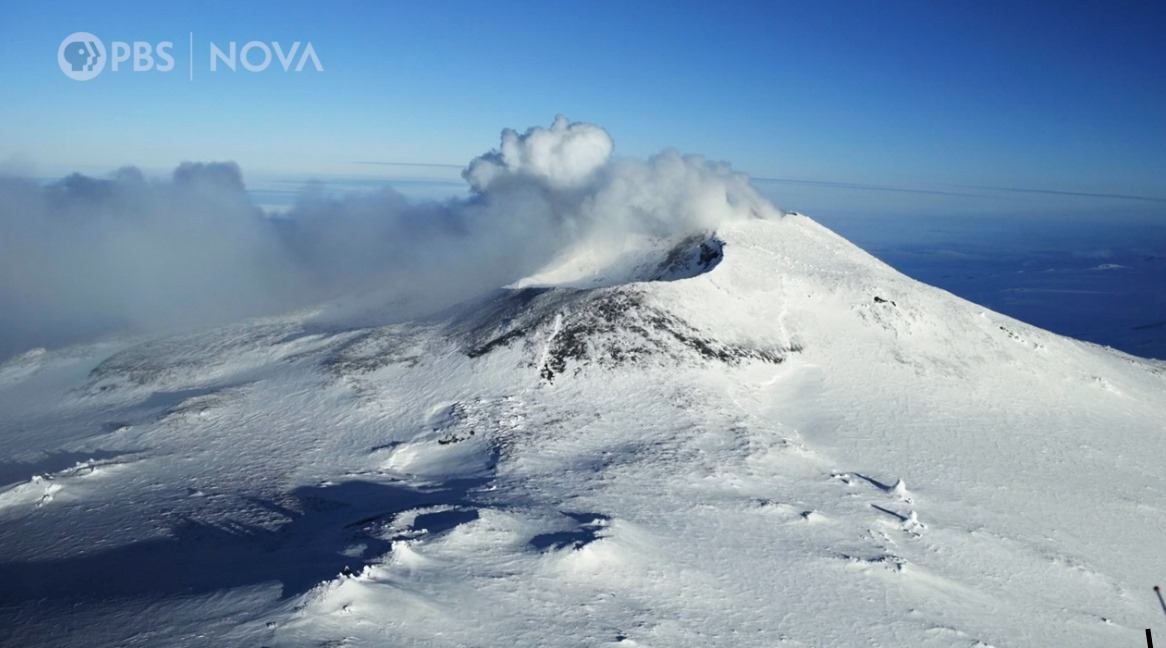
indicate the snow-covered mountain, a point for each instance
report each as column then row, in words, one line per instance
column 744, row 434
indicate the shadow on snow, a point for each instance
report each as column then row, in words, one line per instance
column 322, row 539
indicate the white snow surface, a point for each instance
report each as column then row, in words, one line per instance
column 754, row 436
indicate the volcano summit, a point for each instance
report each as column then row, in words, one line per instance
column 678, row 416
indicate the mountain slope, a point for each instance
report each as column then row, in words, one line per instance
column 753, row 436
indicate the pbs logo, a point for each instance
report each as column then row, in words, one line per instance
column 81, row 56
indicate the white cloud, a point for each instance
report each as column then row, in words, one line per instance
column 84, row 256
column 564, row 156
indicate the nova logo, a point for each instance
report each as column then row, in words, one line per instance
column 255, row 56
column 82, row 56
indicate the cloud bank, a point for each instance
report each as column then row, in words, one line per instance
column 84, row 256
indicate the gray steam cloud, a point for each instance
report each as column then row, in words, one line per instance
column 84, row 256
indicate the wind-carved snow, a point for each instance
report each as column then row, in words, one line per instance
column 741, row 433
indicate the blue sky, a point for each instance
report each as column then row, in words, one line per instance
column 946, row 96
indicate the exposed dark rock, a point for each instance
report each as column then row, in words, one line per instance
column 608, row 328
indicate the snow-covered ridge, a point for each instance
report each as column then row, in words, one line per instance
column 735, row 430
column 703, row 449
